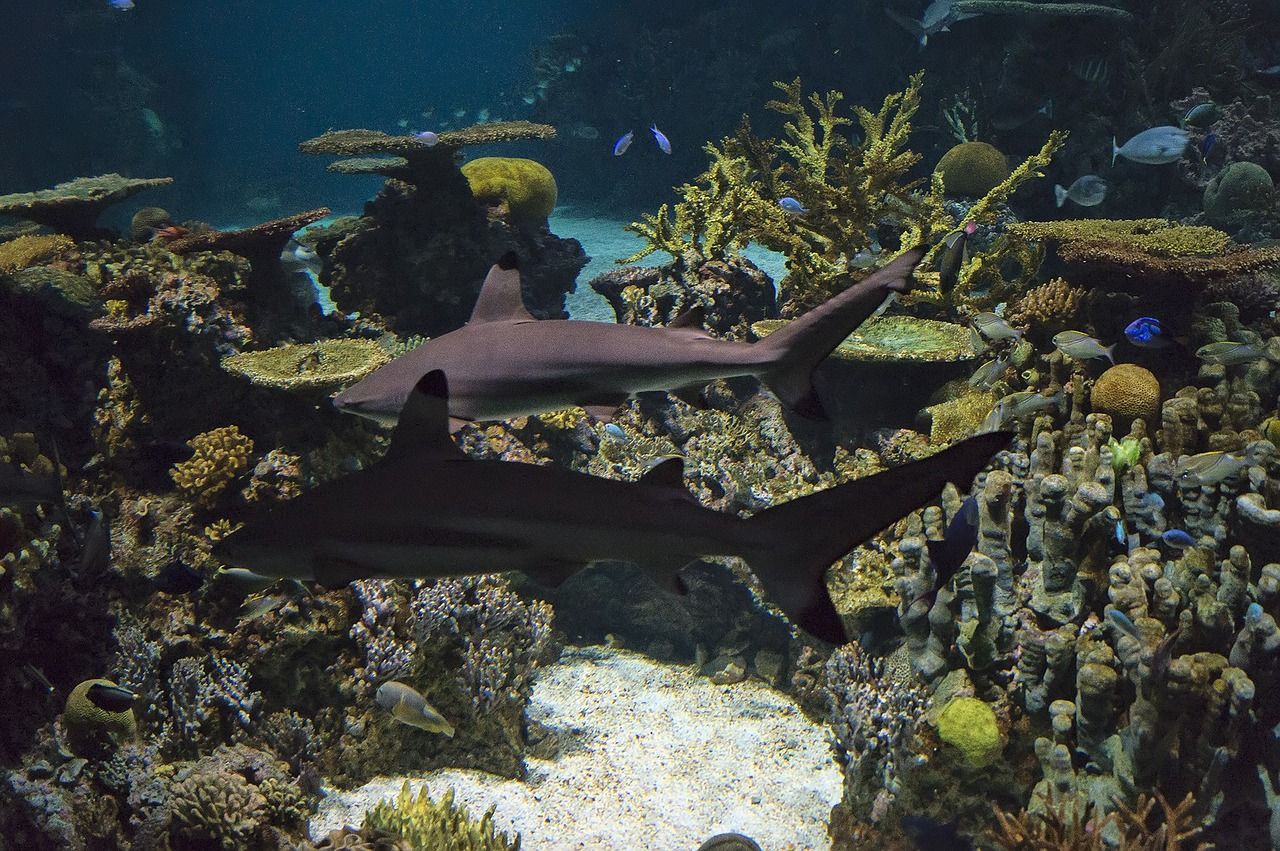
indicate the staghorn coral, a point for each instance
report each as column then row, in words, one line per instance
column 31, row 249
column 221, row 455
column 309, row 367
column 972, row 168
column 72, row 208
column 1126, row 391
column 520, row 190
column 441, row 825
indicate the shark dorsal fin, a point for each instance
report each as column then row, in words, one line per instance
column 691, row 318
column 500, row 299
column 667, row 473
column 423, row 428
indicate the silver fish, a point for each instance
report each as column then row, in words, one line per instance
column 953, row 255
column 408, row 706
column 989, row 373
column 1208, row 468
column 993, row 327
column 1124, row 623
column 1153, row 147
column 1081, row 346
column 1229, row 353
column 1018, row 405
column 1088, row 191
column 254, row 609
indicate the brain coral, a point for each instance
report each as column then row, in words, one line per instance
column 1239, row 189
column 523, row 190
column 220, row 456
column 90, row 729
column 972, row 168
column 969, row 724
column 1126, row 391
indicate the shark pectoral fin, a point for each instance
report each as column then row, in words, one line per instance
column 691, row 318
column 500, row 298
column 456, row 424
column 553, row 574
column 423, row 429
column 334, row 573
column 666, row 473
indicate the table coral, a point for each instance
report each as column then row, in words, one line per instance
column 73, row 207
column 220, row 456
column 896, row 339
column 972, row 168
column 309, row 367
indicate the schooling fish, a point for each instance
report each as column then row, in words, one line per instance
column 1087, row 191
column 664, row 144
column 949, row 553
column 791, row 205
column 1208, row 468
column 955, row 250
column 427, row 138
column 120, row 5
column 1081, row 346
column 1147, row 332
column 1229, row 353
column 989, row 373
column 408, row 706
column 1178, row 539
column 111, row 698
column 1153, row 147
column 624, row 142
column 993, row 327
column 1201, row 115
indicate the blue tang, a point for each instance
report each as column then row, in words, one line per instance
column 1147, row 332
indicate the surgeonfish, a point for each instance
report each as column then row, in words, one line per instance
column 1092, row 69
column 1081, row 346
column 1088, row 190
column 408, row 706
column 1229, row 353
column 938, row 17
column 792, row 206
column 1148, row 333
column 1208, row 468
column 111, row 698
column 664, row 144
column 624, row 142
column 1179, row 539
column 993, row 327
column 1156, row 146
column 1201, row 115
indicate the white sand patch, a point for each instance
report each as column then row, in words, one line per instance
column 651, row 757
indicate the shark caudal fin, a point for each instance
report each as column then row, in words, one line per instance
column 803, row 343
column 807, row 535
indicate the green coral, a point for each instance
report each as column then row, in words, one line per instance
column 1238, row 191
column 972, row 168
column 92, row 731
column 523, row 190
column 969, row 725
column 436, row 825
column 305, row 367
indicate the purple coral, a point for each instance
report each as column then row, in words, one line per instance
column 388, row 653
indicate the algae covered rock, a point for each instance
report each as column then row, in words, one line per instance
column 306, row 367
column 1126, row 391
column 1238, row 190
column 972, row 168
column 91, row 730
column 969, row 725
column 522, row 190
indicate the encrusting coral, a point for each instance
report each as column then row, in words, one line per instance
column 969, row 725
column 220, row 456
column 31, row 249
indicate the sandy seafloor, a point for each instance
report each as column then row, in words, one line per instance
column 643, row 755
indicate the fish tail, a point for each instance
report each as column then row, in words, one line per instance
column 804, row 537
column 1115, row 150
column 1059, row 194
column 797, row 348
column 1111, row 353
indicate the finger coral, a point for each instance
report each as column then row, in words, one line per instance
column 442, row 825
column 220, row 456
column 1047, row 308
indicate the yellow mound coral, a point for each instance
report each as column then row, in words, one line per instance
column 31, row 249
column 958, row 418
column 438, row 825
column 91, row 730
column 220, row 456
column 522, row 190
column 1125, row 391
column 969, row 724
column 302, row 367
column 972, row 168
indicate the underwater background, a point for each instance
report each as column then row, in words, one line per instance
column 914, row 486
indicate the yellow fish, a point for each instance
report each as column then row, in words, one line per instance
column 407, row 706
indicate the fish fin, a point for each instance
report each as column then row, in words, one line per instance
column 668, row 473
column 691, row 318
column 456, row 424
column 1111, row 353
column 500, row 297
column 903, row 21
column 792, row 567
column 604, row 407
column 334, row 573
column 691, row 396
column 424, row 426
column 553, row 573
column 1059, row 194
column 1115, row 150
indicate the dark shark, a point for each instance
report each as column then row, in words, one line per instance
column 425, row 509
column 504, row 363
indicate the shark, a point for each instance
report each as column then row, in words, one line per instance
column 504, row 363
column 425, row 509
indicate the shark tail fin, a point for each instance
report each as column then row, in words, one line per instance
column 803, row 343
column 804, row 537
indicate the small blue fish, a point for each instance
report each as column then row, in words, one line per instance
column 1147, row 332
column 615, row 431
column 791, row 205
column 1124, row 623
column 624, row 142
column 1154, row 500
column 1207, row 144
column 427, row 138
column 661, row 138
column 120, row 5
column 1122, row 537
column 1178, row 539
column 1253, row 614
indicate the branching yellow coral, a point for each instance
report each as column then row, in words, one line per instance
column 27, row 251
column 438, row 825
column 1050, row 306
column 220, row 456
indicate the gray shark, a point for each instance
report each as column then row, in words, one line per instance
column 504, row 363
column 426, row 509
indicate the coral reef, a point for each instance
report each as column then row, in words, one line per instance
column 72, row 208
column 90, row 729
column 32, row 249
column 520, row 190
column 220, row 456
column 425, row 823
